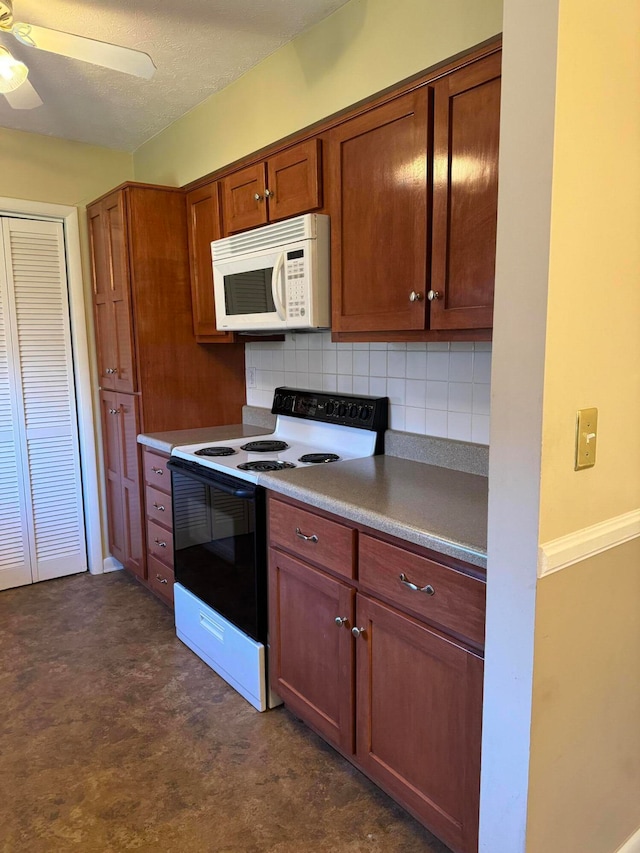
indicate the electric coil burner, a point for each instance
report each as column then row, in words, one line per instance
column 215, row 451
column 265, row 465
column 266, row 446
column 219, row 513
column 315, row 458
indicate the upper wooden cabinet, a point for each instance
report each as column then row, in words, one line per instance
column 287, row 184
column 465, row 196
column 112, row 299
column 377, row 180
column 203, row 219
column 413, row 200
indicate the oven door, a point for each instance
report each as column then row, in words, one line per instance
column 220, row 543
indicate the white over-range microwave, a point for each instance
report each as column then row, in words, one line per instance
column 274, row 278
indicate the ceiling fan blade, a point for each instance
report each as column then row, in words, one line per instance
column 24, row 97
column 114, row 56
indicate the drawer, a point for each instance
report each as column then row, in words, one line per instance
column 158, row 506
column 318, row 540
column 452, row 600
column 160, row 578
column 160, row 543
column 156, row 473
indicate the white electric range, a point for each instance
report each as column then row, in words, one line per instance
column 219, row 517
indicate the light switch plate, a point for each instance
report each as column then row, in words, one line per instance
column 586, row 438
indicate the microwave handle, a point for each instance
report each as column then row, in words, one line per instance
column 277, row 301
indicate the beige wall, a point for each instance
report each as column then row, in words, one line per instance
column 593, row 339
column 365, row 46
column 585, row 739
column 584, row 784
column 561, row 739
column 43, row 168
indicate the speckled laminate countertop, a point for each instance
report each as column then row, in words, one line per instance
column 431, row 506
column 437, row 507
column 164, row 441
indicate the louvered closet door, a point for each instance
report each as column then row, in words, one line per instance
column 41, row 366
column 15, row 559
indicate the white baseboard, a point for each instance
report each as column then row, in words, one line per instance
column 110, row 564
column 631, row 845
column 566, row 550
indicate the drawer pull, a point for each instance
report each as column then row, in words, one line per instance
column 341, row 620
column 301, row 535
column 161, row 579
column 357, row 632
column 158, row 471
column 159, row 507
column 160, row 544
column 428, row 589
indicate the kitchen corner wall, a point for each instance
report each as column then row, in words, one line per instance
column 436, row 389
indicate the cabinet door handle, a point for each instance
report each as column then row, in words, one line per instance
column 434, row 294
column 111, row 370
column 158, row 471
column 358, row 632
column 257, row 196
column 160, row 544
column 269, row 194
column 159, row 507
column 341, row 620
column 428, row 589
column 301, row 535
column 161, row 579
column 114, row 411
column 414, row 296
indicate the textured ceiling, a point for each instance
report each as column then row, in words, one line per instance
column 198, row 46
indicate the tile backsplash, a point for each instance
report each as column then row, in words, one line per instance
column 436, row 389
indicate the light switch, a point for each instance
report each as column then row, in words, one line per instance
column 586, row 438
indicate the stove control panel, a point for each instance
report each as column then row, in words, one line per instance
column 345, row 409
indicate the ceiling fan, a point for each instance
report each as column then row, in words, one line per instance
column 14, row 84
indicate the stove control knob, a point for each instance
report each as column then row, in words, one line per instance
column 342, row 409
column 288, row 402
column 330, row 407
column 278, row 401
column 365, row 413
column 353, row 411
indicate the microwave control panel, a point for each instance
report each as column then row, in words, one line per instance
column 296, row 273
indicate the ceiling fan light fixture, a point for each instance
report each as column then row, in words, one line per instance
column 13, row 73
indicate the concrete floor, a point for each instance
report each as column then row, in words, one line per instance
column 114, row 736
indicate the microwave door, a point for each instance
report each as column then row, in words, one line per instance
column 278, row 286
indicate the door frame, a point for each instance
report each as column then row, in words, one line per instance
column 82, row 364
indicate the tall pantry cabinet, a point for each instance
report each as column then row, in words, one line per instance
column 153, row 374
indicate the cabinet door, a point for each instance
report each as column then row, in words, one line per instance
column 111, row 294
column 244, row 201
column 116, row 244
column 378, row 186
column 419, row 714
column 311, row 655
column 465, row 195
column 111, row 443
column 120, row 427
column 294, row 180
column 203, row 216
column 128, row 409
column 102, row 298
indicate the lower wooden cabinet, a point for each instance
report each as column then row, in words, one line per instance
column 311, row 653
column 120, row 428
column 159, row 524
column 418, row 713
column 395, row 694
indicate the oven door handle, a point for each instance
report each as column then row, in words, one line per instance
column 244, row 492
